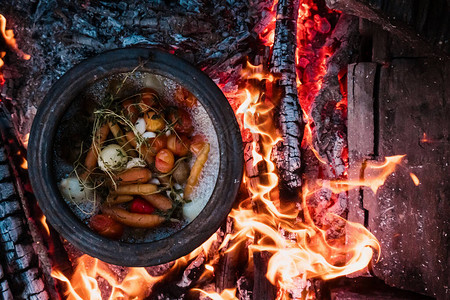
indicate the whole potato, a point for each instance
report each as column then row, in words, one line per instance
column 181, row 172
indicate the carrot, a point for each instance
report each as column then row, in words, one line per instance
column 134, row 175
column 143, row 150
column 131, row 138
column 131, row 110
column 136, row 189
column 159, row 201
column 133, row 219
column 196, row 170
column 90, row 161
column 117, row 199
column 118, row 134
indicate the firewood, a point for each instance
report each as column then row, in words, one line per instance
column 289, row 113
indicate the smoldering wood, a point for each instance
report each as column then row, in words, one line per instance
column 287, row 154
column 329, row 118
column 421, row 24
column 262, row 288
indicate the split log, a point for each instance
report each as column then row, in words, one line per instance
column 289, row 114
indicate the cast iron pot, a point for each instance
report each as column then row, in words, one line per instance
column 41, row 155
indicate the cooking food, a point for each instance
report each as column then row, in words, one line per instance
column 143, row 163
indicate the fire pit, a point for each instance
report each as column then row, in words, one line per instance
column 42, row 154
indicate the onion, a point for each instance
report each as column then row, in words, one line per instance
column 74, row 191
column 112, row 158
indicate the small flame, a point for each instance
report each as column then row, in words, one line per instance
column 45, row 225
column 227, row 294
column 375, row 174
column 414, row 179
column 8, row 36
column 24, row 164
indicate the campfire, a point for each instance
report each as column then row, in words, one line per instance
column 312, row 216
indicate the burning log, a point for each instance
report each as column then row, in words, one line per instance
column 27, row 268
column 328, row 113
column 290, row 114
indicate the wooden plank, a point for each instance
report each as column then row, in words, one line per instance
column 412, row 223
column 361, row 81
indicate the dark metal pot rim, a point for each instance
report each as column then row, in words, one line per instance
column 40, row 153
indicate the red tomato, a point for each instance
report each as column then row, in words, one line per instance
column 181, row 121
column 106, row 226
column 164, row 161
column 179, row 146
column 140, row 206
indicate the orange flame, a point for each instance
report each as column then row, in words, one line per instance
column 45, row 225
column 84, row 284
column 8, row 36
column 227, row 294
column 414, row 179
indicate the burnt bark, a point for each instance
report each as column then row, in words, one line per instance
column 329, row 117
column 289, row 114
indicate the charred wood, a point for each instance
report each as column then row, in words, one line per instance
column 329, row 116
column 290, row 116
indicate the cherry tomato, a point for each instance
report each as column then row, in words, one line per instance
column 178, row 145
column 140, row 206
column 181, row 120
column 164, row 161
column 157, row 143
column 106, row 226
column 197, row 143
